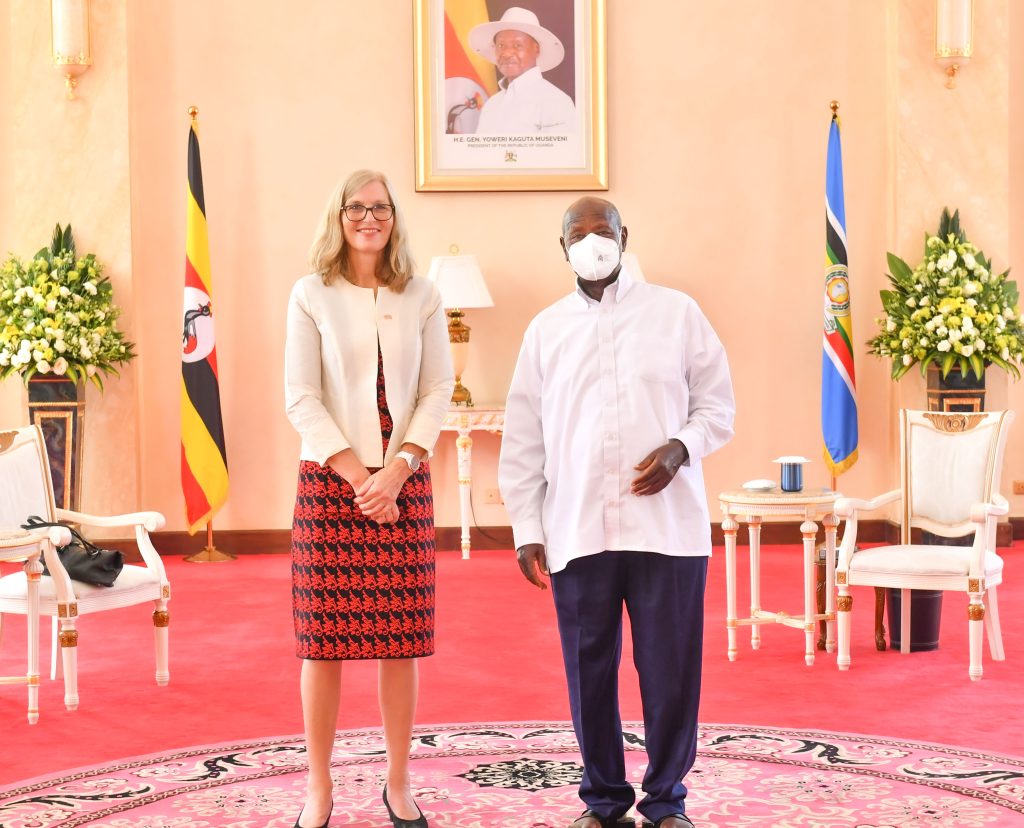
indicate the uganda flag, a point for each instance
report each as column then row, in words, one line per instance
column 469, row 79
column 838, row 381
column 204, row 464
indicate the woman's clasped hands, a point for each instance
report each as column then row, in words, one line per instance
column 377, row 496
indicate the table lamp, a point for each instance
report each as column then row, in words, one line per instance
column 462, row 285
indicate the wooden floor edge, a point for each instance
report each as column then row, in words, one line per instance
column 486, row 538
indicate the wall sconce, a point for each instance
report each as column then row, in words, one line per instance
column 462, row 285
column 69, row 40
column 954, row 36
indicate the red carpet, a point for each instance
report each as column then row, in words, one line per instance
column 234, row 677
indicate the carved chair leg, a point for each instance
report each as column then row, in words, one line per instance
column 975, row 632
column 844, row 606
column 819, row 600
column 995, row 635
column 56, row 662
column 69, row 655
column 161, row 620
column 905, row 610
column 879, row 616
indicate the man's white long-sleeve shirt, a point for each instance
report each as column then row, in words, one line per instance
column 596, row 388
column 526, row 105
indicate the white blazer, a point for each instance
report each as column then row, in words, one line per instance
column 331, row 367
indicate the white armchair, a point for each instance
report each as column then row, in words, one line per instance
column 949, row 479
column 26, row 489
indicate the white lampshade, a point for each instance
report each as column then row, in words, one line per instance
column 460, row 281
column 632, row 264
column 70, row 46
column 954, row 35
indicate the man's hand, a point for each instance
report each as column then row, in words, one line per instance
column 658, row 468
column 531, row 558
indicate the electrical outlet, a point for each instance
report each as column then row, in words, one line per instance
column 493, row 496
column 1018, row 487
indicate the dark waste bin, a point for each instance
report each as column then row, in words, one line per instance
column 925, row 615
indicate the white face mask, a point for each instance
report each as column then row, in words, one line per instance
column 594, row 257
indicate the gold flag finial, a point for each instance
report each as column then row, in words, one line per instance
column 834, row 106
column 193, row 111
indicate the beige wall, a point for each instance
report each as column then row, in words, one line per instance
column 953, row 148
column 1015, row 459
column 717, row 132
column 68, row 162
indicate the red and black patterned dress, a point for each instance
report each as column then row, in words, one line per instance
column 362, row 589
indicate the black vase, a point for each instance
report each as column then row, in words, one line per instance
column 957, row 392
column 57, row 406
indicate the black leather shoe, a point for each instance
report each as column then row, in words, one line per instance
column 683, row 817
column 398, row 822
column 326, row 821
column 605, row 822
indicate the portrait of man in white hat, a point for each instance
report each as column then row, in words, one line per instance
column 526, row 103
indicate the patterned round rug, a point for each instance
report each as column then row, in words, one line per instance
column 525, row 776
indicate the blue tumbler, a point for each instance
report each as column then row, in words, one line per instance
column 792, row 472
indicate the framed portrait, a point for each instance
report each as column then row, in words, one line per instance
column 511, row 95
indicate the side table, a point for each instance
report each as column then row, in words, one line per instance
column 465, row 420
column 811, row 505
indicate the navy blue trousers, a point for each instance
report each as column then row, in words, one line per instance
column 664, row 597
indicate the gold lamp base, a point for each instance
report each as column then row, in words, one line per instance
column 458, row 336
column 460, row 394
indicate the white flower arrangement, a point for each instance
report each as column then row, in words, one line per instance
column 57, row 316
column 951, row 310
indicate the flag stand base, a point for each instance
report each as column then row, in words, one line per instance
column 210, row 554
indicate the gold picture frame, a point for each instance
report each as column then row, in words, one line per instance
column 462, row 145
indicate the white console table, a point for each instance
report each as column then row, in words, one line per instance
column 465, row 420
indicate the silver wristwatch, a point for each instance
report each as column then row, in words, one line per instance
column 411, row 459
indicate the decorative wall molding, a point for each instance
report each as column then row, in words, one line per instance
column 278, row 541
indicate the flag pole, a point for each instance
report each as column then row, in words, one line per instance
column 210, row 553
column 197, row 264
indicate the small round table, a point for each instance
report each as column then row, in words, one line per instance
column 751, row 506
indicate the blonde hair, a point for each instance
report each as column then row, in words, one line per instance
column 329, row 254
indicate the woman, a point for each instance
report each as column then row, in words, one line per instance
column 368, row 380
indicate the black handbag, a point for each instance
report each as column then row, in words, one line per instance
column 83, row 560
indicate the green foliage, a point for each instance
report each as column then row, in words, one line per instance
column 951, row 309
column 57, row 315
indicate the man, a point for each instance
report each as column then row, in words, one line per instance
column 526, row 103
column 621, row 389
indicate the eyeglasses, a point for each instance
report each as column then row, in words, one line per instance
column 357, row 212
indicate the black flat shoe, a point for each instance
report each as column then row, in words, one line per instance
column 327, row 821
column 398, row 822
